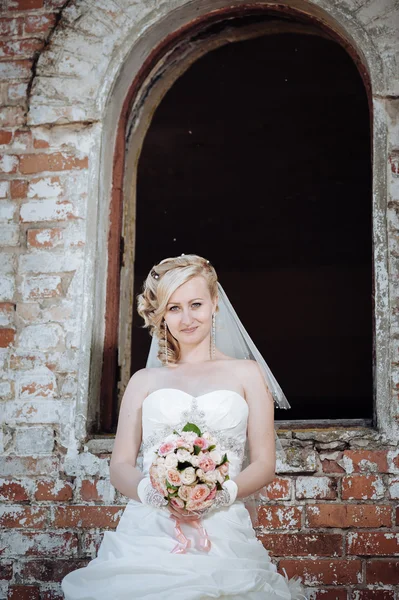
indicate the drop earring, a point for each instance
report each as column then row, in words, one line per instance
column 166, row 342
column 213, row 336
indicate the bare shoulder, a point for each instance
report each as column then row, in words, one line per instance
column 138, row 386
column 247, row 368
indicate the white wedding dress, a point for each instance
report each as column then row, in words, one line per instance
column 135, row 560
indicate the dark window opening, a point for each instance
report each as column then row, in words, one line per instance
column 259, row 159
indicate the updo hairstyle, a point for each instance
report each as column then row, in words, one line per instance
column 162, row 281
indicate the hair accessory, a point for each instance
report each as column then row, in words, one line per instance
column 154, row 274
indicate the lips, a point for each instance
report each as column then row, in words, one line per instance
column 189, row 330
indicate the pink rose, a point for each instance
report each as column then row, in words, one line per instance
column 199, row 493
column 181, row 443
column 224, row 468
column 184, row 492
column 207, row 464
column 166, row 448
column 201, row 442
column 176, row 502
column 173, row 476
column 212, row 494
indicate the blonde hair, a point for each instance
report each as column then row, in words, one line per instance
column 162, row 281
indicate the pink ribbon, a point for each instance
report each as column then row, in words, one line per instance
column 184, row 543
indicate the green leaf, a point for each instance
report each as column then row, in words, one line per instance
column 224, row 459
column 170, row 486
column 227, row 477
column 211, row 448
column 219, row 485
column 197, row 449
column 192, row 427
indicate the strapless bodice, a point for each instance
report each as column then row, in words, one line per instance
column 223, row 413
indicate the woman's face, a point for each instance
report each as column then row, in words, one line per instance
column 189, row 312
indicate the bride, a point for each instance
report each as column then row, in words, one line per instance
column 159, row 551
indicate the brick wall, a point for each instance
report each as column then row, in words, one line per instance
column 331, row 514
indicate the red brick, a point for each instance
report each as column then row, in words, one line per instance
column 363, row 594
column 52, row 595
column 16, row 69
column 280, row 517
column 36, row 163
column 50, row 570
column 12, row 26
column 40, row 23
column 372, row 543
column 330, row 594
column 87, row 516
column 329, row 571
column 348, row 515
column 55, row 491
column 38, row 143
column 23, row 592
column 362, row 487
column 397, row 515
column 48, row 544
column 383, row 572
column 23, row 516
column 37, row 389
column 6, row 337
column 26, row 466
column 91, row 542
column 320, row 488
column 19, row 188
column 331, row 466
column 25, row 4
column 14, row 491
column 5, row 137
column 367, row 460
column 7, row 310
column 89, row 491
column 302, row 544
column 12, row 116
column 6, row 570
column 23, row 138
column 20, row 48
column 278, row 489
column 10, row 162
column 26, row 361
column 44, row 238
column 394, row 162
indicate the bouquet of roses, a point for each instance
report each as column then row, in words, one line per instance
column 189, row 468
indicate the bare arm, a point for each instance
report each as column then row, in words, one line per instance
column 261, row 433
column 124, row 475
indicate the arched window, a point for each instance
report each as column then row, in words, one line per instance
column 258, row 158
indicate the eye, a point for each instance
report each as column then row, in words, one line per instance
column 172, row 308
column 197, row 303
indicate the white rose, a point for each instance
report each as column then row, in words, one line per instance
column 194, row 460
column 160, row 460
column 188, row 475
column 207, row 436
column 171, row 460
column 200, row 473
column 183, row 455
column 216, row 456
column 210, row 476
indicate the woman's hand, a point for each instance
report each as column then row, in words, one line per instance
column 183, row 514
